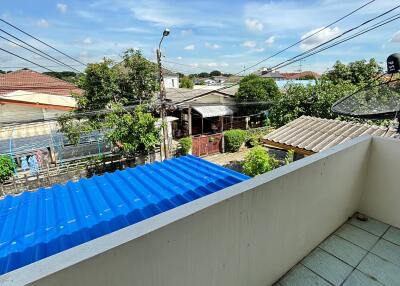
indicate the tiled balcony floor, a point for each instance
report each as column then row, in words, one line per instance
column 357, row 254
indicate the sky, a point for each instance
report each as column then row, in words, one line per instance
column 206, row 35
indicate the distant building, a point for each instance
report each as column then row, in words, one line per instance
column 26, row 95
column 171, row 79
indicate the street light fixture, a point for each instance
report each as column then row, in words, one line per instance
column 163, row 96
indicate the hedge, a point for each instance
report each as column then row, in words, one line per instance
column 234, row 139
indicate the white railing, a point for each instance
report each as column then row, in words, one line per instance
column 248, row 234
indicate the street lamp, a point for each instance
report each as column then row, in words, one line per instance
column 162, row 97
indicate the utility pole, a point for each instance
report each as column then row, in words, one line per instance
column 162, row 99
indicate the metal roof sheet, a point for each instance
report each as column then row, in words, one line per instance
column 317, row 134
column 39, row 224
column 213, row 110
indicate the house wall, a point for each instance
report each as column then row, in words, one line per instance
column 381, row 198
column 19, row 113
column 171, row 81
column 248, row 234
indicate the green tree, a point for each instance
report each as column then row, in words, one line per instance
column 186, row 82
column 258, row 161
column 357, row 72
column 203, row 74
column 256, row 88
column 215, row 73
column 7, row 167
column 110, row 87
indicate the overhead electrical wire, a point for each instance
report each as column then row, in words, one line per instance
column 42, row 42
column 310, row 53
column 25, row 59
column 43, row 54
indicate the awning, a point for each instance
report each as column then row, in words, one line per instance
column 213, row 110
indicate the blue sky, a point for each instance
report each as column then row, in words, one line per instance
column 205, row 35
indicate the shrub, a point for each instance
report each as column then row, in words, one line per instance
column 258, row 161
column 234, row 139
column 7, row 167
column 289, row 157
column 185, row 145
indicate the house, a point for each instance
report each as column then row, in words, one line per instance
column 26, row 95
column 200, row 109
column 275, row 75
column 332, row 218
column 307, row 135
column 301, row 75
column 171, row 79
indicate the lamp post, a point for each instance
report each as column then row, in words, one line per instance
column 162, row 97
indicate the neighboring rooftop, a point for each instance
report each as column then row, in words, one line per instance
column 309, row 135
column 39, row 224
column 301, row 75
column 182, row 94
column 28, row 80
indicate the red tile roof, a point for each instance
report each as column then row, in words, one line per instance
column 29, row 80
column 298, row 75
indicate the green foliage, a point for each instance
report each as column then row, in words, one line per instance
column 255, row 135
column 109, row 86
column 185, row 144
column 289, row 157
column 215, row 73
column 7, row 167
column 234, row 139
column 258, row 161
column 312, row 100
column 132, row 131
column 69, row 76
column 186, row 82
column 203, row 74
column 256, row 88
column 358, row 72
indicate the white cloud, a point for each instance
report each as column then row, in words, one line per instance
column 249, row 44
column 186, row 32
column 87, row 41
column 88, row 15
column 62, row 8
column 195, row 65
column 179, row 58
column 254, row 25
column 212, row 46
column 130, row 30
column 270, row 40
column 224, row 64
column 259, row 50
column 189, row 47
column 212, row 64
column 42, row 23
column 396, row 37
column 319, row 38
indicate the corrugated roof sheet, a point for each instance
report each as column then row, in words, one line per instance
column 213, row 110
column 317, row 134
column 39, row 224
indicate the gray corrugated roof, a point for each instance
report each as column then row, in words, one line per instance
column 317, row 134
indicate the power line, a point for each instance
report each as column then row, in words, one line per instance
column 309, row 36
column 302, row 40
column 373, row 27
column 53, row 59
column 15, row 55
column 48, row 45
column 340, row 35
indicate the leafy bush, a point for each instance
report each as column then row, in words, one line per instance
column 7, row 166
column 258, row 161
column 185, row 145
column 234, row 139
column 255, row 135
column 289, row 157
column 186, row 82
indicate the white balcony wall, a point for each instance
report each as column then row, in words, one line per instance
column 249, row 234
column 381, row 197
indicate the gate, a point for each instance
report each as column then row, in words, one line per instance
column 204, row 145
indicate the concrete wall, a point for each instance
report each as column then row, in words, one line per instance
column 171, row 81
column 249, row 234
column 381, row 197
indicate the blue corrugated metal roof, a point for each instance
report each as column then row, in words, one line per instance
column 39, row 224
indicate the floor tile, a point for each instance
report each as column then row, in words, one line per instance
column 371, row 225
column 327, row 266
column 343, row 249
column 393, row 235
column 381, row 270
column 357, row 236
column 360, row 279
column 388, row 251
column 301, row 276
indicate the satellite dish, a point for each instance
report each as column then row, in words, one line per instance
column 379, row 101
